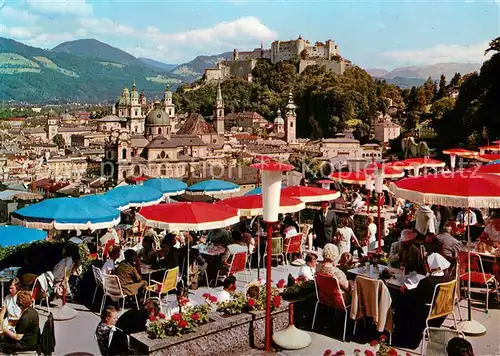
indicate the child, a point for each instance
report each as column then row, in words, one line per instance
column 102, row 333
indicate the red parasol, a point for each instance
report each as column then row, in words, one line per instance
column 196, row 216
column 310, row 194
column 425, row 162
column 489, row 169
column 388, row 172
column 488, row 157
column 460, row 152
column 401, row 165
column 349, row 177
column 251, row 205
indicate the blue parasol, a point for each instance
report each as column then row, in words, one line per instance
column 256, row 191
column 67, row 214
column 213, row 186
column 168, row 186
column 12, row 235
column 129, row 196
column 494, row 162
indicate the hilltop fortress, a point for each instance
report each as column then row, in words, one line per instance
column 243, row 62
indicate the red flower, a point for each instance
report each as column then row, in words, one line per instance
column 206, row 295
column 161, row 315
column 183, row 301
column 195, row 316
column 251, row 302
column 369, row 353
column 357, row 351
column 176, row 317
column 277, row 301
column 280, row 284
column 383, row 338
column 213, row 299
column 374, row 343
column 182, row 323
column 327, row 353
column 340, row 353
column 392, row 352
column 152, row 317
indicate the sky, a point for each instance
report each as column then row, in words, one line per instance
column 372, row 34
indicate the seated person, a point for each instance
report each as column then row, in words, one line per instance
column 168, row 257
column 398, row 254
column 458, row 346
column 308, row 270
column 220, row 237
column 467, row 217
column 25, row 336
column 413, row 308
column 130, row 279
column 238, row 245
column 147, row 254
column 246, row 236
column 11, row 312
column 198, row 265
column 416, row 256
column 131, row 322
column 492, row 230
column 229, row 287
column 329, row 268
column 289, row 227
column 109, row 265
column 108, row 320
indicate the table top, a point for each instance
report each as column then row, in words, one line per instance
column 473, row 248
column 211, row 251
column 148, row 270
column 372, row 272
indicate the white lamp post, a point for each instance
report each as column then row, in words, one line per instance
column 368, row 187
column 379, row 186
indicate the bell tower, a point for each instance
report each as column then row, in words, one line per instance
column 219, row 112
column 290, row 120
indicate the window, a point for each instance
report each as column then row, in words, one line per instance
column 291, row 123
column 124, row 174
column 104, row 127
column 137, row 171
column 163, row 170
column 159, row 130
column 162, row 154
column 135, row 129
column 150, row 131
column 136, row 112
column 124, row 153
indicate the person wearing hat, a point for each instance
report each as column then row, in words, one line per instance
column 413, row 308
column 399, row 249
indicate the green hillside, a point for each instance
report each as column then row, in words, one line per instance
column 43, row 76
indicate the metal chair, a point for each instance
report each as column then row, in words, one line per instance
column 277, row 249
column 113, row 289
column 329, row 293
column 38, row 290
column 238, row 263
column 292, row 244
column 168, row 284
column 98, row 280
column 438, row 339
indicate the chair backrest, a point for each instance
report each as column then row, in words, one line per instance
column 111, row 286
column 438, row 340
column 328, row 291
column 107, row 246
column 277, row 246
column 238, row 262
column 367, row 288
column 169, row 280
column 443, row 300
column 97, row 275
column 293, row 243
column 38, row 291
column 476, row 263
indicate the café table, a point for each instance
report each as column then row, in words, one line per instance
column 374, row 272
column 147, row 270
column 209, row 251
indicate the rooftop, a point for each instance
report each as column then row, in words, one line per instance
column 196, row 125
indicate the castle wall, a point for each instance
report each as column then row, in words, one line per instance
column 241, row 68
column 336, row 67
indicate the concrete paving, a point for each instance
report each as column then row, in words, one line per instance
column 76, row 336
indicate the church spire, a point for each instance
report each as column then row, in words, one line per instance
column 219, row 111
column 219, row 93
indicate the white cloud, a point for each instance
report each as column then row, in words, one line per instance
column 17, row 15
column 18, row 32
column 48, row 40
column 440, row 54
column 62, row 7
column 105, row 26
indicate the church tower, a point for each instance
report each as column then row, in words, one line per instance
column 52, row 125
column 167, row 101
column 291, row 120
column 219, row 112
column 279, row 124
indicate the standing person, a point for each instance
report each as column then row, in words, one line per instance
column 25, row 337
column 130, row 279
column 467, row 217
column 109, row 316
column 345, row 236
column 324, row 226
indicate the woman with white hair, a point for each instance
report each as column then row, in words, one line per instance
column 414, row 306
column 329, row 267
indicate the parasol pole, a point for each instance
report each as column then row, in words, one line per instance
column 469, row 326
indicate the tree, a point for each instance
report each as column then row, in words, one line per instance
column 439, row 107
column 456, row 81
column 494, row 45
column 59, row 141
column 430, row 89
column 442, row 87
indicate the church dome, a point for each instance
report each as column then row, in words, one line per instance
column 157, row 117
column 279, row 120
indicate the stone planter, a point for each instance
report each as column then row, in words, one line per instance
column 228, row 335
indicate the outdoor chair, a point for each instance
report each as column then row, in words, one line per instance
column 277, row 249
column 291, row 245
column 442, row 304
column 329, row 293
column 438, row 339
column 113, row 289
column 38, row 290
column 477, row 274
column 98, row 281
column 182, row 273
column 238, row 263
column 168, row 284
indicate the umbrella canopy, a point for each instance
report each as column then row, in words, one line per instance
column 460, row 189
column 388, row 172
column 401, row 165
column 188, row 216
column 491, row 157
column 130, row 196
column 67, row 214
column 425, row 162
column 494, row 148
column 310, row 194
column 12, row 235
column 251, row 205
column 349, row 177
column 489, row 168
column 213, row 186
column 460, row 152
column 256, row 191
column 168, row 186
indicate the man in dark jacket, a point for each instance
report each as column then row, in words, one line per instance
column 325, row 225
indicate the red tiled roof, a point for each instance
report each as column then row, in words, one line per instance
column 196, row 125
column 49, row 184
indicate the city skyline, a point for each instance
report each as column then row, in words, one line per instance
column 372, row 34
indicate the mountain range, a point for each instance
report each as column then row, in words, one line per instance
column 88, row 70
